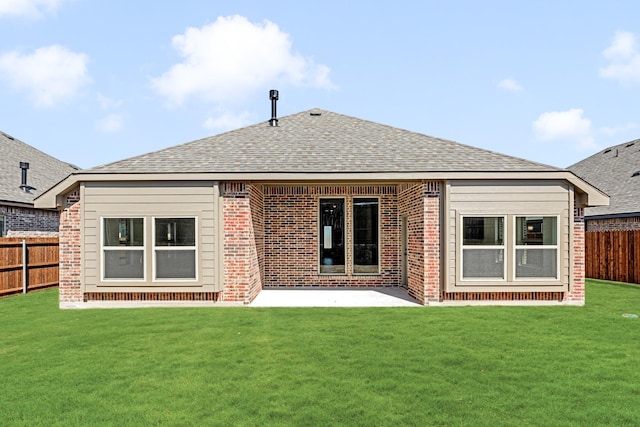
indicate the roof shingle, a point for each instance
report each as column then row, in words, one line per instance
column 44, row 170
column 324, row 142
column 611, row 170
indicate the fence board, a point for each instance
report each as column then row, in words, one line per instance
column 42, row 264
column 613, row 255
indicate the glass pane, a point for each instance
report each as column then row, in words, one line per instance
column 175, row 232
column 332, row 236
column 174, row 264
column 536, row 230
column 123, row 264
column 365, row 235
column 123, row 232
column 483, row 263
column 2, row 227
column 487, row 231
column 536, row 263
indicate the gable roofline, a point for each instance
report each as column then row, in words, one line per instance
column 53, row 198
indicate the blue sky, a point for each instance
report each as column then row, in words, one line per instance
column 91, row 82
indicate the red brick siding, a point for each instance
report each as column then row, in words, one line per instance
column 70, row 250
column 242, row 278
column 151, row 296
column 420, row 203
column 612, row 224
column 28, row 222
column 576, row 289
column 291, row 236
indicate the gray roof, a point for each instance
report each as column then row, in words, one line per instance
column 324, row 142
column 611, row 170
column 44, row 170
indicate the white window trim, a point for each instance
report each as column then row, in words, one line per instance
column 535, row 247
column 155, row 248
column 483, row 247
column 104, row 248
column 353, row 235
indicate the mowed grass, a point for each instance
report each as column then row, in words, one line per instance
column 492, row 366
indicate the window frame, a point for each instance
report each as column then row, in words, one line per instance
column 3, row 226
column 504, row 247
column 517, row 247
column 344, row 235
column 353, row 236
column 155, row 248
column 104, row 248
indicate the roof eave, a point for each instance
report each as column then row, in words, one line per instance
column 588, row 195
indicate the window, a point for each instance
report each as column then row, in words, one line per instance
column 365, row 236
column 483, row 248
column 332, row 236
column 536, row 247
column 123, row 248
column 3, row 227
column 175, row 248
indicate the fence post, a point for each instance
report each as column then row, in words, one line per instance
column 24, row 266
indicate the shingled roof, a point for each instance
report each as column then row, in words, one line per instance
column 324, row 142
column 613, row 170
column 44, row 171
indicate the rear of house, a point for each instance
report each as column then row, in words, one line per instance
column 323, row 200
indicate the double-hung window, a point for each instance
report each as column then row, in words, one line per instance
column 483, row 248
column 123, row 249
column 175, row 248
column 173, row 253
column 536, row 247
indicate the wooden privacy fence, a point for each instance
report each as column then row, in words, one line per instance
column 613, row 255
column 28, row 264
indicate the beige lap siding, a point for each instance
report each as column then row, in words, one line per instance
column 149, row 200
column 518, row 198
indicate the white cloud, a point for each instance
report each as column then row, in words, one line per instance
column 49, row 74
column 107, row 103
column 227, row 121
column 510, row 85
column 624, row 59
column 615, row 130
column 231, row 58
column 28, row 8
column 567, row 125
column 111, row 123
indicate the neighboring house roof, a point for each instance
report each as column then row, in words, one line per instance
column 612, row 171
column 320, row 141
column 321, row 145
column 44, row 171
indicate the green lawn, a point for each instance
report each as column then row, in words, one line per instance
column 450, row 366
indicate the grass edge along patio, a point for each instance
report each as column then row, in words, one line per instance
column 322, row 199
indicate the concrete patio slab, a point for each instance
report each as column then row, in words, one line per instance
column 334, row 297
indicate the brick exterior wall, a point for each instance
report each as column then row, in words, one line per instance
column 242, row 277
column 70, row 251
column 613, row 224
column 29, row 222
column 291, row 236
column 576, row 289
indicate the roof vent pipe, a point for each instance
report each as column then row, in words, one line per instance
column 24, row 166
column 273, row 96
